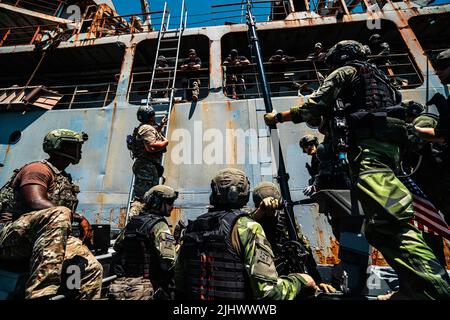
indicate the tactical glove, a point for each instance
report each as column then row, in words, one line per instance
column 270, row 119
column 309, row 191
column 87, row 231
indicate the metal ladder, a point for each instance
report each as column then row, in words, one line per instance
column 168, row 41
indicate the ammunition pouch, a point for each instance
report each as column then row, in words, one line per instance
column 379, row 125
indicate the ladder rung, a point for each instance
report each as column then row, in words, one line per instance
column 163, row 79
column 156, row 90
column 171, row 31
column 167, row 49
column 169, row 40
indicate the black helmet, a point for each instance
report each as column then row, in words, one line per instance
column 263, row 190
column 158, row 195
column 145, row 113
column 345, row 51
column 307, row 140
column 230, row 188
column 413, row 108
column 280, row 52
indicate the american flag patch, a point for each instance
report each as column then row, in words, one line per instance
column 426, row 216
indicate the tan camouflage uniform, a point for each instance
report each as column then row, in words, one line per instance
column 41, row 237
column 144, row 167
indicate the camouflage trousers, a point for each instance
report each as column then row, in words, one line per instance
column 146, row 176
column 387, row 204
column 40, row 239
column 131, row 289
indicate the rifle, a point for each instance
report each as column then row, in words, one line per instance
column 293, row 252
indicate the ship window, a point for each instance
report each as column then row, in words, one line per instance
column 14, row 137
column 433, row 34
column 143, row 67
column 82, row 77
column 303, row 68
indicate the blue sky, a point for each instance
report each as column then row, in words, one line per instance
column 200, row 11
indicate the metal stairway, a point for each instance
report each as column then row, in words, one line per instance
column 162, row 81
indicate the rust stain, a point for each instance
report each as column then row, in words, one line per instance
column 174, row 217
column 377, row 258
column 233, row 144
column 228, row 105
column 8, row 149
column 122, row 217
column 447, row 252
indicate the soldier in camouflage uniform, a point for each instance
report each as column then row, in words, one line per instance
column 145, row 250
column 267, row 200
column 38, row 205
column 147, row 146
column 374, row 159
column 225, row 253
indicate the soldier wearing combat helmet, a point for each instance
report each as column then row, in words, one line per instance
column 145, row 250
column 228, row 246
column 373, row 154
column 268, row 212
column 38, row 205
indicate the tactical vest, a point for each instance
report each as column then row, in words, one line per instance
column 215, row 269
column 64, row 192
column 136, row 145
column 136, row 253
column 372, row 107
column 371, row 89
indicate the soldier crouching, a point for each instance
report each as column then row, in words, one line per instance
column 145, row 250
column 37, row 206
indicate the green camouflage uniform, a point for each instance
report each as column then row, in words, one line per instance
column 145, row 167
column 250, row 241
column 386, row 202
column 140, row 288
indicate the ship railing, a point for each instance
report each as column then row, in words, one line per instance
column 49, row 7
column 140, row 84
column 305, row 76
column 96, row 95
column 24, row 35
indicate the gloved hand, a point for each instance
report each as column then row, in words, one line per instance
column 87, row 231
column 327, row 288
column 270, row 119
column 309, row 191
column 269, row 205
column 443, row 105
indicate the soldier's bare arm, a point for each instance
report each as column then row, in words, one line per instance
column 35, row 197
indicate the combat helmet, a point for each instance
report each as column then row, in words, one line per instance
column 145, row 113
column 263, row 190
column 230, row 188
column 158, row 195
column 308, row 139
column 375, row 38
column 343, row 52
column 56, row 140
